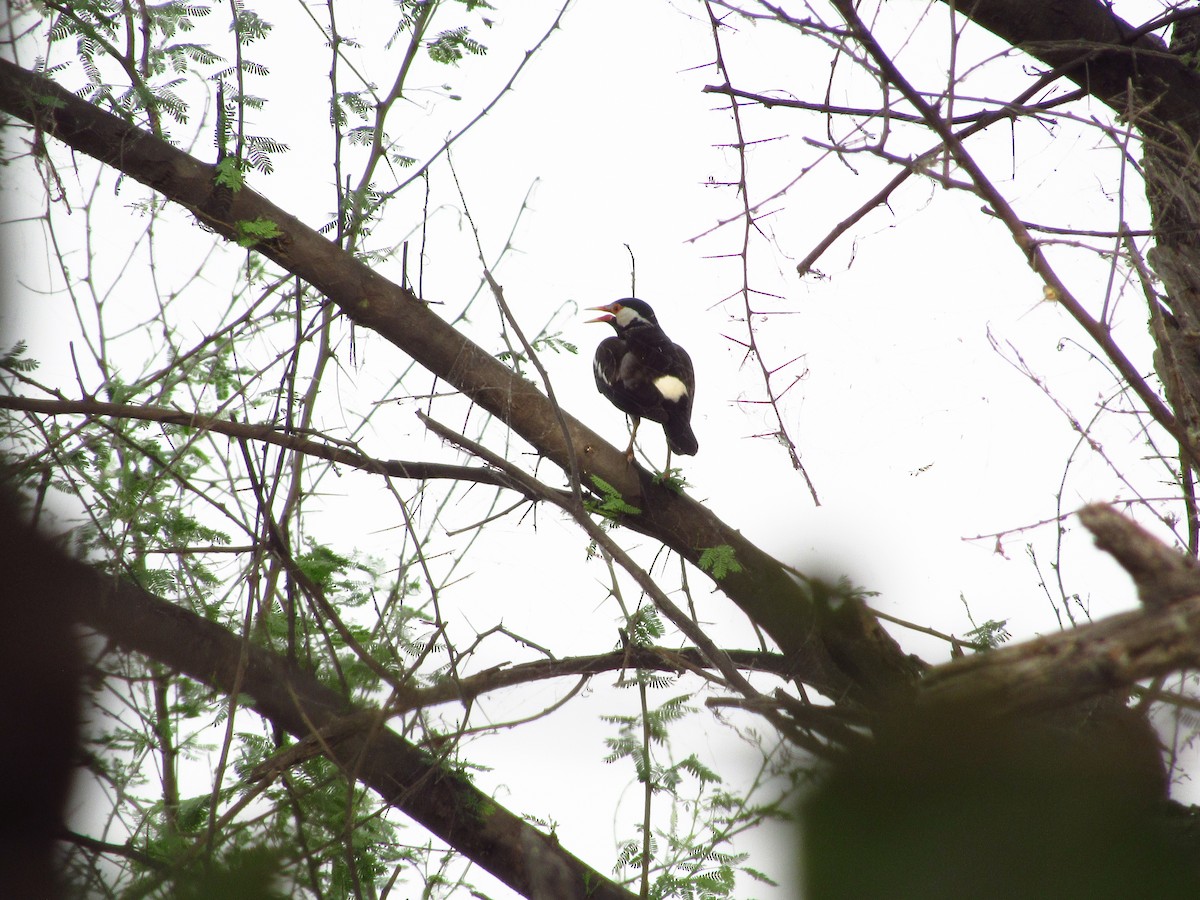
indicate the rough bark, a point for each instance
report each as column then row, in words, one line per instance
column 1091, row 662
column 1134, row 74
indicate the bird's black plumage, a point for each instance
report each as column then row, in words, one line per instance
column 645, row 374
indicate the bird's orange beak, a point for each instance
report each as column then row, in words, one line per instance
column 610, row 310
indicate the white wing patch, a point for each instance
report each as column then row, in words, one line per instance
column 671, row 387
column 599, row 370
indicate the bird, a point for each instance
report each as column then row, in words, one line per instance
column 645, row 375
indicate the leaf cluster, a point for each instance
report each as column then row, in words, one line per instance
column 610, row 504
column 159, row 504
column 255, row 231
column 628, row 744
column 553, row 342
column 719, row 561
column 450, row 46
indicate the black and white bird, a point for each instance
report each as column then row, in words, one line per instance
column 645, row 375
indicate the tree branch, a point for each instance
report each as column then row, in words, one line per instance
column 1097, row 330
column 1110, row 655
column 856, row 658
column 267, row 434
column 1103, row 54
column 404, row 776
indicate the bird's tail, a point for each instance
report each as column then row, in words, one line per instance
column 680, row 438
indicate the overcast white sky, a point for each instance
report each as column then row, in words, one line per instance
column 916, row 433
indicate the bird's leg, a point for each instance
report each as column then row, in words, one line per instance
column 633, row 434
column 667, row 470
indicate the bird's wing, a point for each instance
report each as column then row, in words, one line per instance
column 607, row 363
column 683, row 366
column 615, row 367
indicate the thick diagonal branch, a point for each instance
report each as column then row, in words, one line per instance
column 406, row 777
column 852, row 654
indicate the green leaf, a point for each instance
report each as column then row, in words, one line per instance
column 645, row 627
column 611, row 504
column 556, row 343
column 672, row 479
column 449, row 46
column 321, row 564
column 991, row 633
column 229, row 174
column 719, row 561
column 14, row 359
column 255, row 232
column 693, row 765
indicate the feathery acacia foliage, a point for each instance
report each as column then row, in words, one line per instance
column 300, row 514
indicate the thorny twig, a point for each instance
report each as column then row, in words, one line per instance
column 748, row 226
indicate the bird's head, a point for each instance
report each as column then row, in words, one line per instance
column 627, row 313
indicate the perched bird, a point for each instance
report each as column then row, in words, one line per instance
column 645, row 375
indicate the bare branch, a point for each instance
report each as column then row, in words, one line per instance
column 1097, row 330
column 869, row 663
column 404, row 775
column 267, row 434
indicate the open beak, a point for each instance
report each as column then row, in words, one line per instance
column 610, row 311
